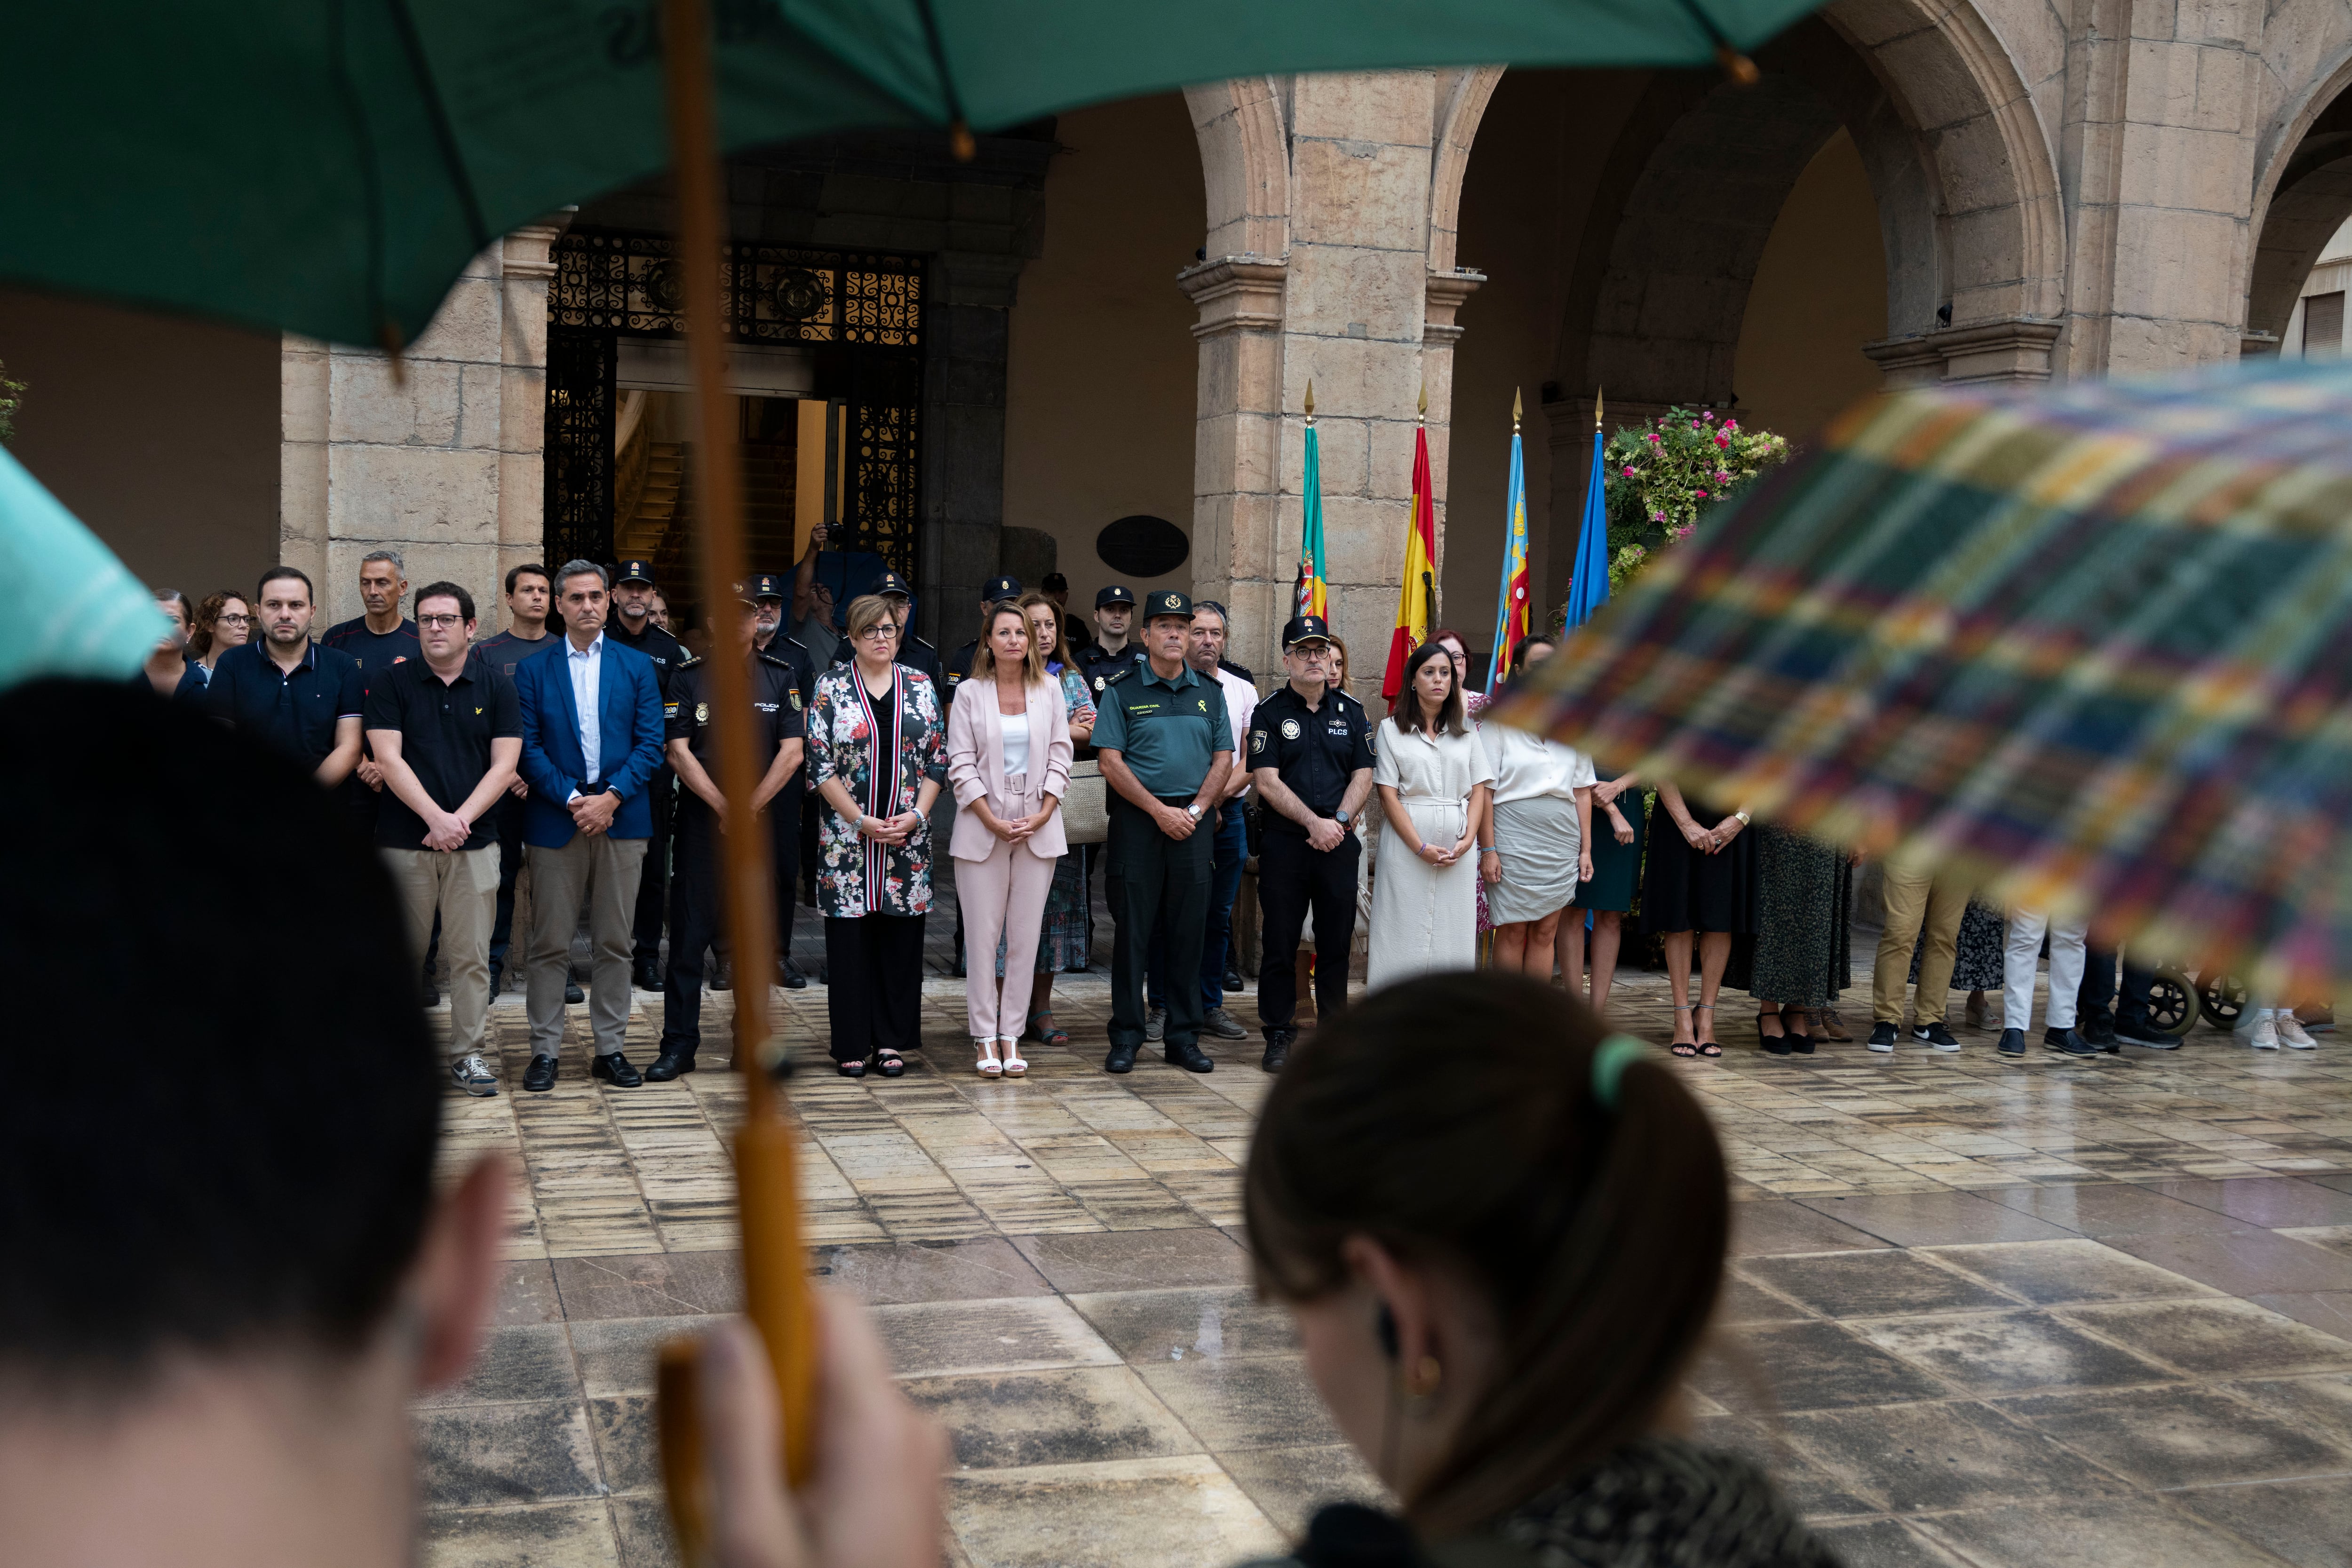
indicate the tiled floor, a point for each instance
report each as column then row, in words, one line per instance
column 2046, row 1312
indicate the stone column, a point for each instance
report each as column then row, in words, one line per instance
column 441, row 463
column 963, row 437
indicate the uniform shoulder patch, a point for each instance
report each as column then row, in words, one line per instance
column 696, row 660
column 1114, row 677
column 765, row 657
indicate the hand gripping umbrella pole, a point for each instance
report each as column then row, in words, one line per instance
column 775, row 1281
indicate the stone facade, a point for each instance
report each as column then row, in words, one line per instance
column 2117, row 186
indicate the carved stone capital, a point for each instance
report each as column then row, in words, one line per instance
column 2017, row 349
column 527, row 251
column 1235, row 294
column 1446, row 292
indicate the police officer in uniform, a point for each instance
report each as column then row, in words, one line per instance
column 1104, row 657
column 689, row 738
column 632, row 626
column 1165, row 742
column 960, row 662
column 913, row 651
column 1310, row 753
column 769, row 591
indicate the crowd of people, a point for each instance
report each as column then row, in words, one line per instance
column 522, row 799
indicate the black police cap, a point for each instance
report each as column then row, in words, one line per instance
column 636, row 571
column 768, row 585
column 1000, row 588
column 1305, row 628
column 891, row 582
column 1115, row 594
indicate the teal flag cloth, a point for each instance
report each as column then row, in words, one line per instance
column 71, row 608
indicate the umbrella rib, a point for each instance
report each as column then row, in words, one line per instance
column 959, row 129
column 370, row 177
column 444, row 133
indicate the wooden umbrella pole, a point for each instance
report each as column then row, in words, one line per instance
column 775, row 1281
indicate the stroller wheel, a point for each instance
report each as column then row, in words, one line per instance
column 2224, row 999
column 2171, row 1002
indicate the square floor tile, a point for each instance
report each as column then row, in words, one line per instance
column 2048, row 1272
column 1265, row 1402
column 626, row 1442
column 1147, row 1326
column 1911, row 1458
column 1935, row 1218
column 1288, row 1485
column 549, row 1535
column 641, row 1525
column 1076, row 1416
column 1021, row 1333
column 478, row 1455
column 1806, row 1366
column 616, row 1355
column 1744, row 1301
column 1172, row 1511
column 650, row 1285
column 2308, row 1524
column 1764, row 1227
column 1873, row 1284
column 527, row 1292
column 1806, row 1485
column 2010, row 1352
column 2267, row 1201
column 525, row 1361
column 2177, row 1436
column 2111, row 1208
column 2319, row 1406
column 2144, row 1532
column 1083, row 1263
column 2217, row 1338
column 1883, row 1544
column 2244, row 1262
column 984, row 1268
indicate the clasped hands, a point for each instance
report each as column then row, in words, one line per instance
column 1434, row 856
column 592, row 814
column 895, row 829
column 1710, row 840
column 1020, row 828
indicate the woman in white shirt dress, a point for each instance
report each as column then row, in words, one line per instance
column 1543, row 836
column 1433, row 777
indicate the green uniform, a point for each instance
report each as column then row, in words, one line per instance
column 1166, row 732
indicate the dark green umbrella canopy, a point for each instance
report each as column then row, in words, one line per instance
column 328, row 166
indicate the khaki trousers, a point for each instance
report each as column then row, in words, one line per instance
column 1914, row 899
column 603, row 870
column 462, row 888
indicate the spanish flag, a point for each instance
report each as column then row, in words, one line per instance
column 1417, row 593
column 1310, row 593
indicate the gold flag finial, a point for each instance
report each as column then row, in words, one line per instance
column 1596, row 411
column 1310, row 398
column 1516, row 408
column 1425, row 397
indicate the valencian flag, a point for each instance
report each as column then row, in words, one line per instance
column 1417, row 593
column 1312, row 592
column 1511, row 603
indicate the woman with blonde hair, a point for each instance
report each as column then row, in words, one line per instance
column 1066, row 940
column 1009, row 764
column 877, row 753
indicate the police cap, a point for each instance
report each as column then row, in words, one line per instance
column 1167, row 602
column 636, row 571
column 891, row 582
column 1116, row 594
column 767, row 586
column 997, row 588
column 1305, row 628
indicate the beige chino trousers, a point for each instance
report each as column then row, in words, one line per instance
column 603, row 870
column 462, row 888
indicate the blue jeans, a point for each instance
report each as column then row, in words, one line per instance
column 1231, row 847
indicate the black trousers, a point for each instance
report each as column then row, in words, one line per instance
column 508, row 815
column 1156, row 883
column 695, row 917
column 875, row 964
column 1293, row 878
column 653, row 885
column 2097, row 1003
column 784, row 842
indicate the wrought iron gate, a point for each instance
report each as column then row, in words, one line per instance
column 861, row 312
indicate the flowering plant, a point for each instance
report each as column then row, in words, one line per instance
column 1661, row 477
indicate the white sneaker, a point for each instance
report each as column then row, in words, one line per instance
column 2292, row 1035
column 2265, row 1036
column 473, row 1075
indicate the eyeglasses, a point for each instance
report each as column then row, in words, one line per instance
column 232, row 620
column 881, row 632
column 437, row 621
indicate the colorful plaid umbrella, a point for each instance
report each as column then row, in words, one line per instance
column 2091, row 647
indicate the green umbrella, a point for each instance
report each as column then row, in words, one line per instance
column 70, row 608
column 328, row 166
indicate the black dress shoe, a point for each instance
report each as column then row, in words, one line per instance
column 498, row 981
column 668, row 1066
column 1187, row 1055
column 539, row 1077
column 1277, row 1050
column 647, row 975
column 615, row 1070
column 432, row 995
column 793, row 979
column 1121, row 1059
column 1233, row 978
column 573, row 994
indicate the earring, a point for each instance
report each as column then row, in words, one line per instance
column 1425, row 1378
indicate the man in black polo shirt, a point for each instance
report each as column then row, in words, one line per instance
column 284, row 690
column 447, row 732
column 632, row 626
column 378, row 639
column 530, row 594
column 1310, row 750
column 777, row 726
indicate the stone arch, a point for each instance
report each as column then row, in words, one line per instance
column 1461, row 105
column 1243, row 126
column 2302, row 198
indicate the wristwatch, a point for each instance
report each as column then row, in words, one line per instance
column 1341, row 818
column 1194, row 811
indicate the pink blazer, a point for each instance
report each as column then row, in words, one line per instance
column 976, row 767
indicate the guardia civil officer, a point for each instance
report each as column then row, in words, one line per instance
column 1310, row 753
column 1165, row 744
column 769, row 590
column 632, row 626
column 913, row 651
column 690, row 740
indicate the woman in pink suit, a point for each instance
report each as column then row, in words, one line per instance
column 1009, row 764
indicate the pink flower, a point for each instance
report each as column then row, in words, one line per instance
column 1721, row 442
column 1629, row 473
column 1708, row 416
column 1693, row 424
column 1721, row 477
column 1701, row 495
column 1731, row 424
column 1657, row 517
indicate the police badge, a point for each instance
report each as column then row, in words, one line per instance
column 702, row 712
column 1290, row 728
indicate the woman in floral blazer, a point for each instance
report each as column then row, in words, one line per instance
column 874, row 844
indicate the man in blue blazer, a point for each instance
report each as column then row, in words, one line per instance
column 592, row 739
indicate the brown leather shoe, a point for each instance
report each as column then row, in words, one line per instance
column 1828, row 1025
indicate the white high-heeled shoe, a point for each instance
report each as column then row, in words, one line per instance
column 1013, row 1066
column 986, row 1064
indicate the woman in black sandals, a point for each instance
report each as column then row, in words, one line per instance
column 1804, row 890
column 1699, row 881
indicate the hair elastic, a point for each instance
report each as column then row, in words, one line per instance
column 1610, row 1057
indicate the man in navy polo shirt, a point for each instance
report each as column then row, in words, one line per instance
column 282, row 688
column 448, row 732
column 378, row 639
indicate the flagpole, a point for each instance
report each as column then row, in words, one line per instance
column 1495, row 660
